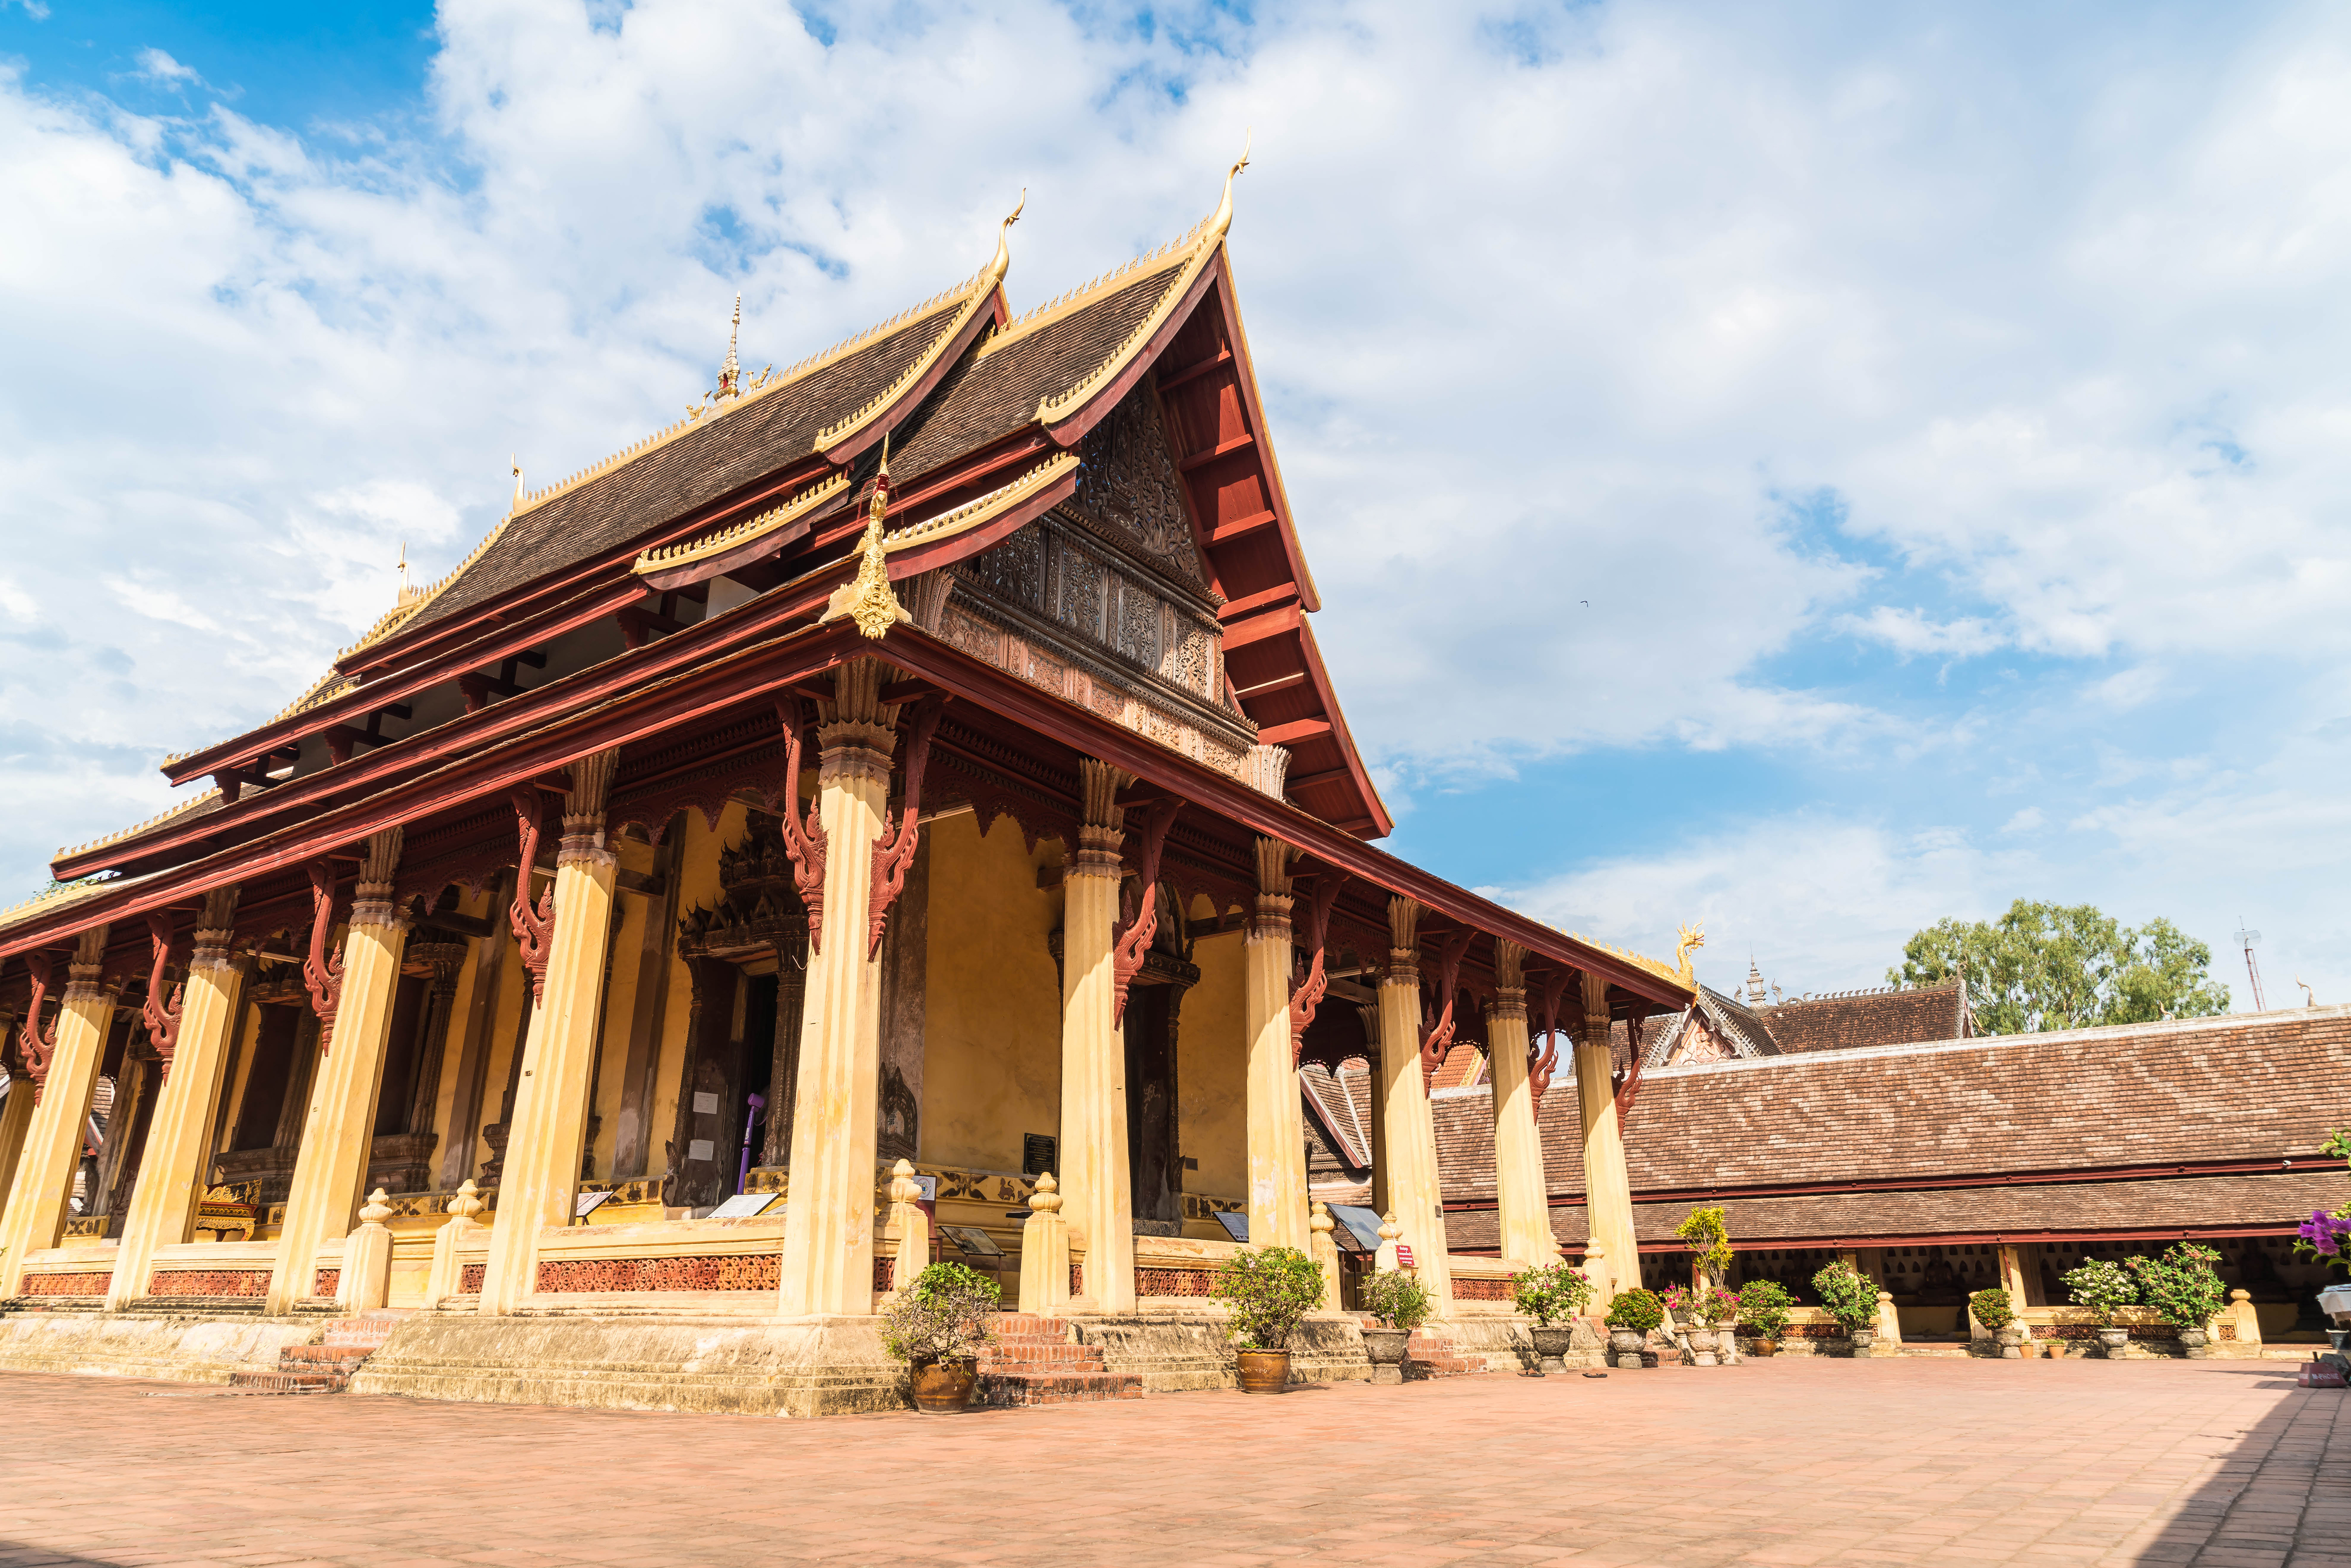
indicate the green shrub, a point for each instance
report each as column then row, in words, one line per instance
column 2181, row 1285
column 943, row 1318
column 1269, row 1288
column 1551, row 1294
column 1637, row 1310
column 1991, row 1308
column 1397, row 1299
column 2101, row 1285
column 1763, row 1308
column 1849, row 1295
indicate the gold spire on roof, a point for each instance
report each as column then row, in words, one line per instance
column 867, row 599
column 730, row 370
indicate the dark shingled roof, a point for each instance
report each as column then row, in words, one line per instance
column 1868, row 1018
column 2249, row 1086
column 2172, row 1203
column 989, row 396
column 722, row 455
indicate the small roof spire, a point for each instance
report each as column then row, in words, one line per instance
column 730, row 371
column 1754, row 983
column 1003, row 262
column 1224, row 217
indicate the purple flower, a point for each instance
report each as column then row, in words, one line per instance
column 2325, row 1233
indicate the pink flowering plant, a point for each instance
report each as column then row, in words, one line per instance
column 2327, row 1236
column 1703, row 1308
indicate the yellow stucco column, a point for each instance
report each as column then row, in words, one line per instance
column 16, row 1121
column 551, row 1113
column 1607, row 1190
column 828, row 1263
column 330, row 1173
column 35, row 1216
column 1277, row 1212
column 1097, row 1187
column 1412, row 1193
column 1522, row 1193
column 1370, row 1014
column 177, row 1158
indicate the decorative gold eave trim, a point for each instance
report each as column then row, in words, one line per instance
column 1053, row 408
column 1664, row 971
column 736, row 535
column 182, row 809
column 975, row 513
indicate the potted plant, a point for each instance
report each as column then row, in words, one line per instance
column 1700, row 1311
column 2185, row 1292
column 1631, row 1315
column 1763, row 1311
column 1850, row 1296
column 1552, row 1296
column 1993, row 1310
column 2103, row 1286
column 1400, row 1301
column 937, row 1328
column 1709, row 1238
column 1269, row 1288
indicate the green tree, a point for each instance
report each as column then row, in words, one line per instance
column 2048, row 967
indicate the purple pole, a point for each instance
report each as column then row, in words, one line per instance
column 759, row 1104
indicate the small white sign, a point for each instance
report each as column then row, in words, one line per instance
column 743, row 1206
column 706, row 1105
column 588, row 1203
column 930, row 1186
column 701, row 1149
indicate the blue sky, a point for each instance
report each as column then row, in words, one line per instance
column 1811, row 469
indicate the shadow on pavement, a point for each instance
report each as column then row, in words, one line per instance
column 16, row 1554
column 2281, row 1494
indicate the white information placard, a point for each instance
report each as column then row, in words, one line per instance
column 743, row 1206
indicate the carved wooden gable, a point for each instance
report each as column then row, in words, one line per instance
column 1128, row 487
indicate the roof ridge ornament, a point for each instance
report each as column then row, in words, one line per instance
column 867, row 599
column 730, row 370
column 1003, row 262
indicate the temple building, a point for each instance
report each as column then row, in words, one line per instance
column 899, row 810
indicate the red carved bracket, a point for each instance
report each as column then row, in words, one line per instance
column 35, row 1043
column 1140, row 929
column 804, row 842
column 1539, row 1067
column 1436, row 1039
column 534, row 923
column 162, row 1018
column 895, row 854
column 322, row 971
column 1311, row 990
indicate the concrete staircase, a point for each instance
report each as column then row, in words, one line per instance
column 325, row 1367
column 1032, row 1361
column 1427, row 1355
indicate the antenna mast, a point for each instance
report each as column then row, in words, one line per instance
column 2248, row 939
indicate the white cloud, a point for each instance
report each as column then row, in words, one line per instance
column 157, row 67
column 1910, row 632
column 2027, row 820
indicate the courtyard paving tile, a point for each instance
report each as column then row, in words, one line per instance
column 1787, row 1463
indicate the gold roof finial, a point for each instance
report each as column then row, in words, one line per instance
column 730, row 371
column 1003, row 262
column 1692, row 938
column 867, row 598
column 517, row 461
column 1224, row 218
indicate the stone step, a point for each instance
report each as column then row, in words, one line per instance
column 283, row 1382
column 1032, row 1357
column 1427, row 1355
column 1030, row 1323
column 321, row 1357
column 1003, row 1390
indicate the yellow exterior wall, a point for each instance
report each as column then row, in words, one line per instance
column 1212, row 1070
column 248, row 1035
column 470, row 978
column 505, row 1038
column 992, row 998
column 697, row 888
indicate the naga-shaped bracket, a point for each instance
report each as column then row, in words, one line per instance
column 36, row 1043
column 534, row 923
column 1140, row 929
column 322, row 969
column 1540, row 1067
column 1307, row 996
column 893, row 856
column 804, row 842
column 1436, row 1039
column 162, row 1018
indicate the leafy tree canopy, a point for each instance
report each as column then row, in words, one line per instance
column 2048, row 967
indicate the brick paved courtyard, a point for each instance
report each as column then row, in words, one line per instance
column 1787, row 1462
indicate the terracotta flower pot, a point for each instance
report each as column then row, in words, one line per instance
column 1264, row 1370
column 1551, row 1346
column 944, row 1387
column 1764, row 1348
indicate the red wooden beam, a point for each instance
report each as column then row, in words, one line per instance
column 1225, row 533
column 1293, row 732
